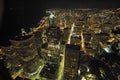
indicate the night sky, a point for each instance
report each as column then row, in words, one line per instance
column 27, row 13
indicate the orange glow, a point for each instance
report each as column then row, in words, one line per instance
column 42, row 25
column 112, row 40
column 22, row 76
column 1, row 51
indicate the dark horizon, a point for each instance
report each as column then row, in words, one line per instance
column 27, row 13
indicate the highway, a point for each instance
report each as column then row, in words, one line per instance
column 71, row 31
column 60, row 73
column 42, row 25
column 82, row 42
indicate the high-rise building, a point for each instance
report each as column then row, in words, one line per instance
column 71, row 62
column 22, row 56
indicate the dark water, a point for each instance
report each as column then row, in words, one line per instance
column 27, row 13
column 19, row 14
